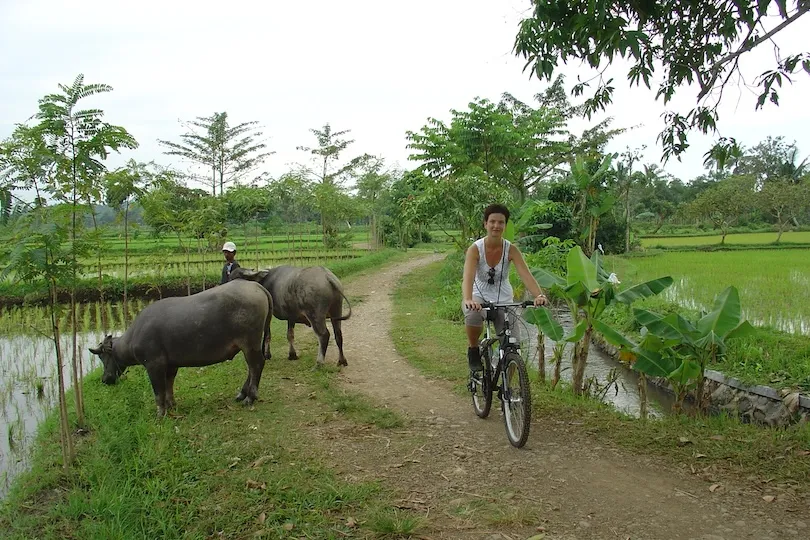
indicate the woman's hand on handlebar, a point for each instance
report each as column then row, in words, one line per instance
column 540, row 300
column 472, row 304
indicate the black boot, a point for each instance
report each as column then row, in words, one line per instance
column 474, row 359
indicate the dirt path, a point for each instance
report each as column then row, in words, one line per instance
column 461, row 473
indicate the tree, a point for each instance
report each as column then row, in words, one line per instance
column 692, row 42
column 372, row 188
column 291, row 196
column 772, row 160
column 592, row 179
column 784, row 201
column 511, row 142
column 725, row 203
column 79, row 141
column 456, row 203
column 39, row 254
column 229, row 152
column 625, row 181
column 333, row 175
column 121, row 187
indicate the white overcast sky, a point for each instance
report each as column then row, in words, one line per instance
column 377, row 68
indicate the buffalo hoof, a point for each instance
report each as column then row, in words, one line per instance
column 248, row 401
column 317, row 367
column 240, row 396
column 342, row 362
column 292, row 356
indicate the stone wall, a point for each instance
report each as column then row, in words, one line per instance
column 756, row 404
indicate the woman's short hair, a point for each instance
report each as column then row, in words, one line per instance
column 496, row 209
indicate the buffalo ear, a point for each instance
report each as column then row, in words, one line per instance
column 94, row 351
column 261, row 274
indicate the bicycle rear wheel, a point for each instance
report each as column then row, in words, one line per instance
column 481, row 387
column 516, row 400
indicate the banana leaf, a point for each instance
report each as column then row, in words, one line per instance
column 644, row 290
column 725, row 315
column 612, row 336
column 580, row 268
column 547, row 279
column 653, row 363
column 541, row 317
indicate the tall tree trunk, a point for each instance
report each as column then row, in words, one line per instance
column 627, row 222
column 74, row 358
column 126, row 262
column 64, row 425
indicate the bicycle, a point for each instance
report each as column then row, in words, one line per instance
column 516, row 400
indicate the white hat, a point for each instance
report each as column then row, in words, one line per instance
column 229, row 246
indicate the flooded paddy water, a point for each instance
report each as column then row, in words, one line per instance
column 28, row 380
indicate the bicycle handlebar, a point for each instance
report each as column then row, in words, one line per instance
column 494, row 305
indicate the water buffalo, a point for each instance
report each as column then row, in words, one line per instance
column 191, row 331
column 307, row 296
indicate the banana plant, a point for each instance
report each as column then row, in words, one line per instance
column 588, row 289
column 680, row 349
column 548, row 326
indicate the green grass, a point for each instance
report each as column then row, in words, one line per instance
column 745, row 450
column 789, row 237
column 215, row 468
column 774, row 285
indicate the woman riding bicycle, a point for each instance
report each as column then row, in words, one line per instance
column 486, row 278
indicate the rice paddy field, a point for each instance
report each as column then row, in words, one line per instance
column 789, row 237
column 774, row 285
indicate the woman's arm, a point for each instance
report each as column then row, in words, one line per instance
column 470, row 264
column 526, row 276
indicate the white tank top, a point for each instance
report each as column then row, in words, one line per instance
column 501, row 289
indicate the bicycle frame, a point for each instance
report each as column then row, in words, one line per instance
column 507, row 342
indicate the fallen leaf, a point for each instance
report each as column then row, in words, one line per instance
column 683, row 441
column 717, row 438
column 698, row 456
column 351, row 523
column 714, row 487
column 537, row 537
column 288, row 526
column 261, row 461
column 235, row 462
column 262, row 518
column 252, row 484
column 803, row 453
column 768, row 498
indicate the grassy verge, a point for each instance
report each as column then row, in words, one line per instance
column 722, row 442
column 215, row 468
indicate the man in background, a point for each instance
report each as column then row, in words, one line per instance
column 229, row 250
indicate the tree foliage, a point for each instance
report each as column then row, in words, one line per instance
column 229, row 152
column 693, row 42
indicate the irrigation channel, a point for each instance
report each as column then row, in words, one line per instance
column 28, row 385
column 622, row 395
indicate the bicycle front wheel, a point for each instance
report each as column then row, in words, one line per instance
column 516, row 400
column 481, row 388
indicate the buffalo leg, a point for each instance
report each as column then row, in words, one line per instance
column 291, row 340
column 267, row 354
column 319, row 327
column 171, row 373
column 255, row 362
column 157, row 376
column 339, row 341
column 243, row 393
